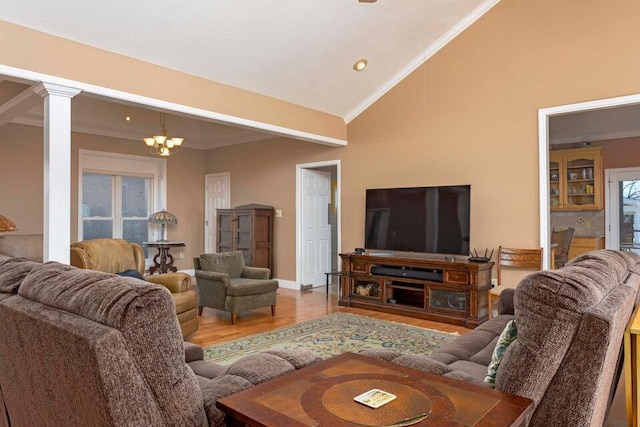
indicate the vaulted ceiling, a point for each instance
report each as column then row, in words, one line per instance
column 299, row 51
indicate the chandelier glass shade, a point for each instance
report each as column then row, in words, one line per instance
column 162, row 145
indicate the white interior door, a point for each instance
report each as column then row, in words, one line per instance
column 316, row 226
column 217, row 190
column 622, row 209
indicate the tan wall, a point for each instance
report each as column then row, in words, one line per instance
column 275, row 160
column 621, row 153
column 35, row 51
column 468, row 117
column 22, row 177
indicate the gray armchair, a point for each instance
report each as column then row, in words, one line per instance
column 225, row 283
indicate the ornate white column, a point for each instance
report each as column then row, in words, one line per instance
column 57, row 170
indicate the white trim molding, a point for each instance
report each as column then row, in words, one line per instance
column 288, row 284
column 172, row 106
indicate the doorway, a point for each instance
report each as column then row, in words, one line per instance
column 317, row 221
column 217, row 195
column 622, row 209
column 544, row 115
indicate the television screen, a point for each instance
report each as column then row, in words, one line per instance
column 419, row 219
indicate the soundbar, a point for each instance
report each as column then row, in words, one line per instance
column 432, row 275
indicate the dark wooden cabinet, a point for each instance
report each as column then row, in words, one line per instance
column 248, row 229
column 444, row 291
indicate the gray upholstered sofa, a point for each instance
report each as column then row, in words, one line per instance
column 566, row 356
column 86, row 348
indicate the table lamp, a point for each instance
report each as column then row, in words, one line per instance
column 6, row 224
column 163, row 217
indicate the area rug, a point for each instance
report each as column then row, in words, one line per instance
column 332, row 335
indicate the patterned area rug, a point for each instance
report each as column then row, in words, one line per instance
column 332, row 335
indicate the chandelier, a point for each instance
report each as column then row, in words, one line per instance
column 162, row 145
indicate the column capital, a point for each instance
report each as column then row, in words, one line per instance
column 45, row 89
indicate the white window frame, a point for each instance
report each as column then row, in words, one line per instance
column 124, row 164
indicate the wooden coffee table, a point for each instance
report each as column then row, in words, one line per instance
column 322, row 395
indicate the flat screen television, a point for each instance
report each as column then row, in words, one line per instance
column 431, row 220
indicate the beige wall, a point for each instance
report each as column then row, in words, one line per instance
column 21, row 193
column 31, row 50
column 468, row 117
column 621, row 153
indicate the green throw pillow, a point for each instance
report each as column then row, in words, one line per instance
column 508, row 335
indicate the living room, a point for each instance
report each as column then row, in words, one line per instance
column 469, row 115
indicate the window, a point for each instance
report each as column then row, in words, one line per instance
column 117, row 193
column 116, row 206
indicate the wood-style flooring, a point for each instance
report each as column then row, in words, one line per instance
column 292, row 307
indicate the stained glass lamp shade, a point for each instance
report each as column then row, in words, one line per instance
column 6, row 224
column 163, row 217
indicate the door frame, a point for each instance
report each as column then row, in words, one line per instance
column 299, row 246
column 207, row 214
column 543, row 156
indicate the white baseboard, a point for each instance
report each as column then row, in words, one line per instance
column 288, row 284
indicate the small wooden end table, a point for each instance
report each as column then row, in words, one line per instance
column 322, row 395
column 632, row 368
column 166, row 259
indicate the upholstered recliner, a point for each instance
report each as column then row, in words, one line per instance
column 110, row 356
column 225, row 283
column 118, row 255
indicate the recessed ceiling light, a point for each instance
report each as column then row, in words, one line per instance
column 360, row 64
column 128, row 118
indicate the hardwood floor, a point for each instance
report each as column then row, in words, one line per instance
column 292, row 307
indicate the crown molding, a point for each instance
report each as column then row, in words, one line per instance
column 421, row 58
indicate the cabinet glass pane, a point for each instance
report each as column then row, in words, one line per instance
column 554, row 183
column 366, row 289
column 452, row 300
column 580, row 184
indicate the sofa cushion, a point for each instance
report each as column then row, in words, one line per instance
column 230, row 263
column 12, row 273
column 505, row 339
column 242, row 287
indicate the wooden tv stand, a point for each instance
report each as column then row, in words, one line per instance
column 427, row 288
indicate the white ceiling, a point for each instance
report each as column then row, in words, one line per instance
column 301, row 51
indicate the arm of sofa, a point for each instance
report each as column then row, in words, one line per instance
column 506, row 301
column 175, row 282
column 256, row 273
column 213, row 276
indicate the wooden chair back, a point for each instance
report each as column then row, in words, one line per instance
column 518, row 258
column 562, row 240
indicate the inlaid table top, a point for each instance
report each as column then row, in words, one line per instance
column 323, row 395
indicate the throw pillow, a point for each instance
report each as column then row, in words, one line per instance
column 131, row 273
column 508, row 335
